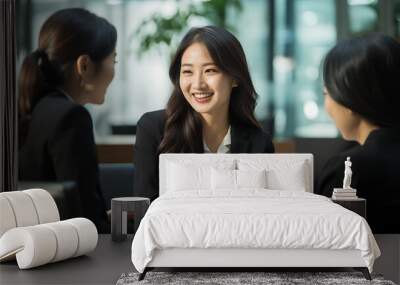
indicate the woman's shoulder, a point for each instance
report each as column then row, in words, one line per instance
column 58, row 111
column 248, row 130
column 57, row 105
column 155, row 119
column 257, row 140
column 332, row 171
column 260, row 132
column 260, row 135
column 337, row 161
column 253, row 133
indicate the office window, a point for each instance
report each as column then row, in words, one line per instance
column 363, row 16
column 305, row 31
column 396, row 19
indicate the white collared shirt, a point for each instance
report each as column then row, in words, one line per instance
column 224, row 147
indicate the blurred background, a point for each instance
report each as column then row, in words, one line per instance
column 284, row 41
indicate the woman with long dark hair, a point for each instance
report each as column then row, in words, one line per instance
column 211, row 108
column 362, row 95
column 73, row 65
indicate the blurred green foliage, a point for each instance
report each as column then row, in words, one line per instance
column 162, row 30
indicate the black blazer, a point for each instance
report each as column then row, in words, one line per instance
column 149, row 133
column 60, row 146
column 376, row 176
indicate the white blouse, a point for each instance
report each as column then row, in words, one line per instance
column 224, row 147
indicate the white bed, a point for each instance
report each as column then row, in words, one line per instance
column 249, row 210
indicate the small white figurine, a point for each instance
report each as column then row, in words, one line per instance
column 347, row 174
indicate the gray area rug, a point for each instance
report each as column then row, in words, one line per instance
column 269, row 278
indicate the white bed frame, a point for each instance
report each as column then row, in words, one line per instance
column 234, row 257
column 251, row 258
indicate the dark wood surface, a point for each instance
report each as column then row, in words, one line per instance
column 125, row 152
column 358, row 206
column 102, row 266
column 115, row 153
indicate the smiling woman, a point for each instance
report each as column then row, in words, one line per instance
column 211, row 108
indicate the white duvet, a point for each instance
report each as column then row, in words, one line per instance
column 250, row 219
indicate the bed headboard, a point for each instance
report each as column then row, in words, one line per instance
column 288, row 161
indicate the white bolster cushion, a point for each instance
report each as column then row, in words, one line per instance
column 7, row 218
column 87, row 235
column 40, row 244
column 33, row 246
column 26, row 208
column 23, row 208
column 67, row 240
column 46, row 208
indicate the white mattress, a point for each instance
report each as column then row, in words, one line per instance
column 250, row 218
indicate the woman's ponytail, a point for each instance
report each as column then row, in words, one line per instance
column 30, row 86
column 30, row 82
column 38, row 77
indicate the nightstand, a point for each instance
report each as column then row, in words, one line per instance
column 358, row 205
column 119, row 211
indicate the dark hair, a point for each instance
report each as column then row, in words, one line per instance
column 66, row 35
column 362, row 74
column 183, row 128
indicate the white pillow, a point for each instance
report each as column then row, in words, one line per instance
column 190, row 174
column 223, row 179
column 281, row 174
column 251, row 178
column 236, row 179
column 182, row 178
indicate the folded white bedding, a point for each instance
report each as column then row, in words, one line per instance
column 252, row 218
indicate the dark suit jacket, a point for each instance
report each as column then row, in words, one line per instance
column 149, row 133
column 376, row 176
column 60, row 146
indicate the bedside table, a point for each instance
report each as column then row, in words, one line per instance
column 119, row 210
column 358, row 205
